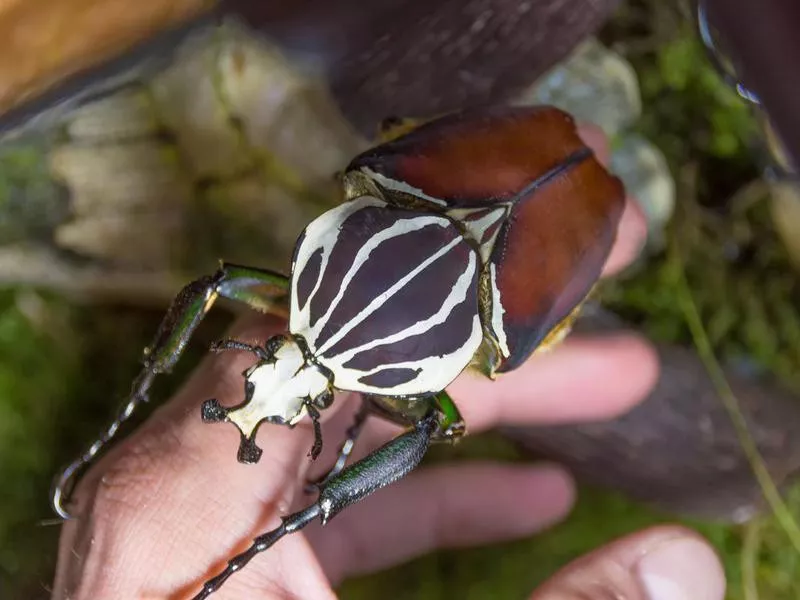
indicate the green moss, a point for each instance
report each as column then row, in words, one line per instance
column 682, row 78
column 744, row 285
column 63, row 372
column 30, row 203
column 37, row 372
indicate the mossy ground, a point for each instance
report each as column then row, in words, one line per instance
column 63, row 366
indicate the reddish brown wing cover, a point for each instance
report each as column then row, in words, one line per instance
column 552, row 250
column 562, row 223
column 478, row 157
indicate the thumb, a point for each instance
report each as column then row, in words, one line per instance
column 661, row 563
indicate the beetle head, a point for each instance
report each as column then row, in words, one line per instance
column 278, row 389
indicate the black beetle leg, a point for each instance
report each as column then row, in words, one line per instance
column 227, row 344
column 316, row 448
column 382, row 467
column 345, row 450
column 244, row 284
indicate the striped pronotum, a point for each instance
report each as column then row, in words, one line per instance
column 386, row 298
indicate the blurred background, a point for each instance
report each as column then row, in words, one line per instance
column 139, row 144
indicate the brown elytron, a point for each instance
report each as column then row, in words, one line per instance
column 564, row 206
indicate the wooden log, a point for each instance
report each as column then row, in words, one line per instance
column 403, row 57
column 678, row 450
column 424, row 57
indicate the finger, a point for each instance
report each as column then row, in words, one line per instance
column 632, row 229
column 336, row 430
column 172, row 504
column 631, row 236
column 662, row 563
column 442, row 507
column 176, row 429
column 220, row 377
column 583, row 379
column 594, row 137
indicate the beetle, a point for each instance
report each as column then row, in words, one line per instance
column 471, row 240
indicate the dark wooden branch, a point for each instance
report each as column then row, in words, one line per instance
column 385, row 57
column 423, row 57
column 678, row 450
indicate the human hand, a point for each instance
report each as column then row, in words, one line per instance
column 168, row 506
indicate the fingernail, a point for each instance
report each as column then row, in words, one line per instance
column 681, row 569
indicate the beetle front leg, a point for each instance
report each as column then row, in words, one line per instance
column 345, row 450
column 223, row 345
column 382, row 467
column 244, row 284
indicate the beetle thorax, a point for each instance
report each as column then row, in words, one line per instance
column 385, row 298
column 279, row 389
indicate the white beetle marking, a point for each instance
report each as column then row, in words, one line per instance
column 437, row 371
column 401, row 227
column 280, row 389
column 400, row 186
column 325, row 231
column 497, row 314
column 477, row 228
column 383, row 297
column 457, row 295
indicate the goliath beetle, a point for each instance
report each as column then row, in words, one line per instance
column 471, row 240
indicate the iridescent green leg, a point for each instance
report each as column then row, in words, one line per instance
column 260, row 289
column 451, row 424
column 406, row 411
column 384, row 466
column 402, row 411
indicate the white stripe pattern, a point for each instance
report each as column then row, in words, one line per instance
column 401, row 227
column 324, row 231
column 400, row 186
column 423, row 371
